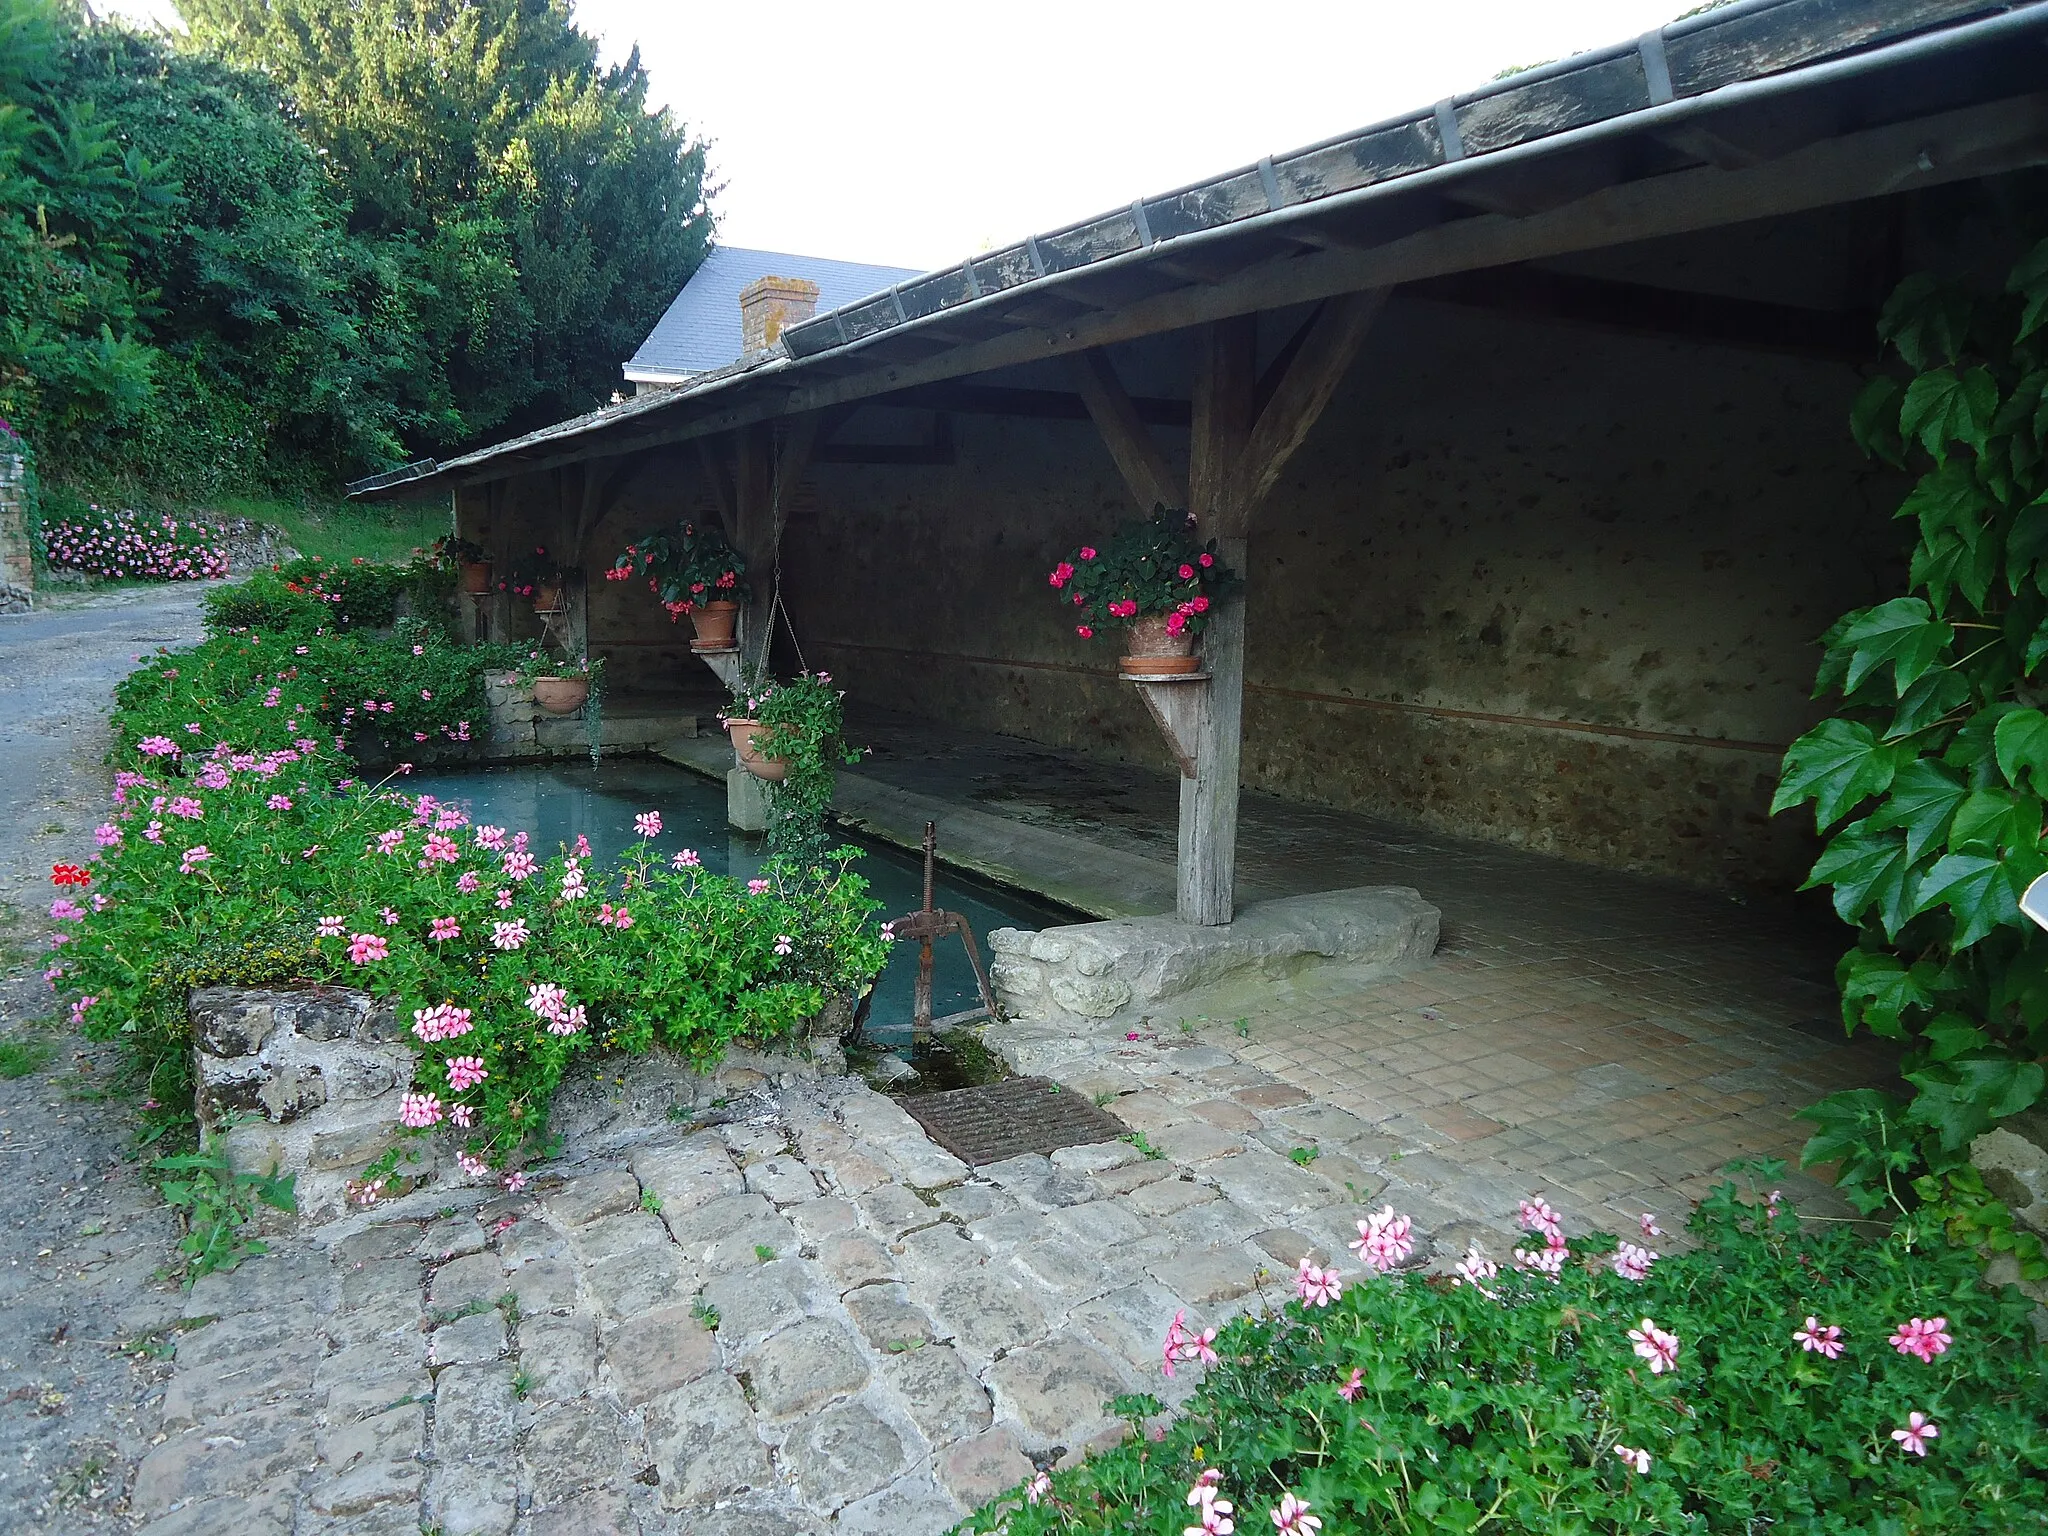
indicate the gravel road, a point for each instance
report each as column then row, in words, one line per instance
column 83, row 1238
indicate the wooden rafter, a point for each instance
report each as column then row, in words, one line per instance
column 1144, row 468
column 1300, row 394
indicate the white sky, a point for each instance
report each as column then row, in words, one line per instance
column 917, row 132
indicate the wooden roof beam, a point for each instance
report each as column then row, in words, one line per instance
column 1150, row 478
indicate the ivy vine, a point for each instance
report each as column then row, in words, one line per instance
column 1929, row 779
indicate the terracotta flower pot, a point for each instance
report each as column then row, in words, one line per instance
column 561, row 695
column 1152, row 652
column 476, row 577
column 547, row 599
column 743, row 733
column 715, row 624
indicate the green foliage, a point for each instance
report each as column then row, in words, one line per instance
column 1149, row 568
column 806, row 728
column 1415, row 1404
column 317, row 236
column 216, row 1203
column 20, row 1058
column 243, row 848
column 1929, row 779
column 692, row 565
column 526, row 217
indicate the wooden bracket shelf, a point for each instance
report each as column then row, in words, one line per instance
column 725, row 663
column 1178, row 703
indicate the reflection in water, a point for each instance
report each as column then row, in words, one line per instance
column 558, row 802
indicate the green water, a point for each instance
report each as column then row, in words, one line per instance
column 558, row 802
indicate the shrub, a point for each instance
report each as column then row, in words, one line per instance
column 244, row 848
column 1774, row 1379
column 135, row 546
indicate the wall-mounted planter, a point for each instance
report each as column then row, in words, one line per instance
column 715, row 624
column 561, row 695
column 743, row 732
column 1152, row 651
column 476, row 577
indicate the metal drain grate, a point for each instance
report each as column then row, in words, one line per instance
column 1007, row 1118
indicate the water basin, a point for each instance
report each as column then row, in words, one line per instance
column 558, row 802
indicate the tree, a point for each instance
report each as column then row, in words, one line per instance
column 537, row 215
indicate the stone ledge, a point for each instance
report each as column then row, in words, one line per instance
column 1095, row 970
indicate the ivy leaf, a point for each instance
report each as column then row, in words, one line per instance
column 2026, row 542
column 1924, row 796
column 1874, row 420
column 1950, row 1035
column 1868, row 869
column 1836, row 764
column 1944, row 407
column 1948, row 497
column 1877, row 989
column 2020, row 742
column 1995, row 818
column 1971, row 748
column 1926, row 320
column 1961, row 1099
column 1904, row 632
column 2030, row 278
column 1982, row 893
column 1940, row 692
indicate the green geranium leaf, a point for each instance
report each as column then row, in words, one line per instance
column 1924, row 796
column 1960, row 1099
column 1835, row 765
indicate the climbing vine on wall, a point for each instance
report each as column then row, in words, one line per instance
column 1929, row 779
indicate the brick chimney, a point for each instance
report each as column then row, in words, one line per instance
column 769, row 304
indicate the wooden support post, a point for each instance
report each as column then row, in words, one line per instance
column 1243, row 433
column 1225, row 378
column 754, row 536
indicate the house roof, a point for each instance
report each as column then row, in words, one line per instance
column 701, row 329
column 1740, row 112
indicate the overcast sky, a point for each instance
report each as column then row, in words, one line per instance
column 916, row 132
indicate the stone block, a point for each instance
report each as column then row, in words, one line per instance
column 546, row 1285
column 818, row 1221
column 977, row 1470
column 1132, row 1322
column 475, row 1414
column 1270, row 1185
column 640, row 1281
column 1096, row 1156
column 232, row 1021
column 1197, row 1142
column 477, row 1278
column 599, row 1512
column 558, row 1357
column 842, row 1454
column 1207, row 1275
column 746, row 801
column 704, row 1443
column 606, row 1193
column 1092, row 970
column 986, row 1312
column 914, row 1502
column 752, row 1304
column 781, row 1180
column 804, row 1367
column 887, row 1318
column 1057, row 1388
column 471, row 1498
column 1149, row 1112
column 657, row 1352
column 1225, row 1115
column 240, row 1380
column 944, row 1400
column 370, row 1462
column 1121, row 1181
column 931, row 1254
column 1166, row 1196
column 474, row 1340
column 239, row 1454
column 856, row 1260
column 269, row 1513
column 571, row 1447
column 610, row 1236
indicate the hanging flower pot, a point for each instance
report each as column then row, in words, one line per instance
column 1152, row 649
column 546, row 598
column 743, row 731
column 715, row 623
column 476, row 577
column 561, row 695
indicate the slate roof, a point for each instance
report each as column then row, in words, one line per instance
column 701, row 329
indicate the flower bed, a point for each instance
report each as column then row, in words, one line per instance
column 244, row 848
column 136, row 546
column 1773, row 1379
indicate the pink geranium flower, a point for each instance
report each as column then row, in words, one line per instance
column 195, row 856
column 1655, row 1345
column 443, row 1021
column 1535, row 1215
column 757, row 887
column 1352, row 1385
column 1638, row 1461
column 1925, row 1337
column 1817, row 1339
column 1184, row 1344
column 1475, row 1269
column 465, row 1072
column 1918, row 1431
column 687, row 859
column 441, row 929
column 546, row 999
column 518, row 865
column 1315, row 1286
column 1384, row 1240
column 419, row 1110
column 510, row 935
column 1633, row 1263
column 490, row 839
column 475, row 1167
column 1291, row 1517
column 467, row 882
column 648, row 823
column 365, row 947
column 331, row 927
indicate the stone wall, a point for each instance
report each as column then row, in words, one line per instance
column 521, row 730
column 305, row 1080
column 17, row 560
column 2013, row 1158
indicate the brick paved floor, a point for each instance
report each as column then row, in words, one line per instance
column 1610, row 1037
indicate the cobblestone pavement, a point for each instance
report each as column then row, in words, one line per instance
column 804, row 1317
